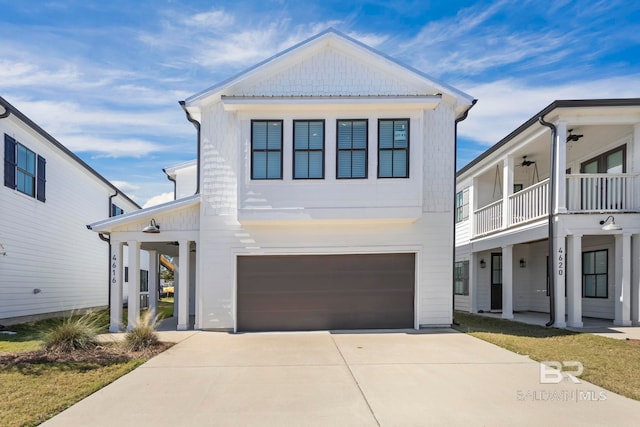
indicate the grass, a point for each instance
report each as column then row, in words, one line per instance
column 609, row 363
column 32, row 392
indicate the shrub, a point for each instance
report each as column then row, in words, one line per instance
column 144, row 334
column 74, row 333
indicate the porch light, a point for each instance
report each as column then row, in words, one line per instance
column 610, row 226
column 152, row 227
column 482, row 263
column 523, row 263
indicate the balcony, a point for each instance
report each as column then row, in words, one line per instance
column 585, row 193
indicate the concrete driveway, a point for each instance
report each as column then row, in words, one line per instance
column 425, row 378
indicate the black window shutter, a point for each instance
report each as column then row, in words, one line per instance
column 42, row 179
column 9, row 162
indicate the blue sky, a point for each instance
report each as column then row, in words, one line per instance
column 105, row 77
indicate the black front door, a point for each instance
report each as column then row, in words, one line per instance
column 496, row 281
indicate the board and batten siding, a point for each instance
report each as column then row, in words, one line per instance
column 53, row 262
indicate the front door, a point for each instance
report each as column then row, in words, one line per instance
column 496, row 281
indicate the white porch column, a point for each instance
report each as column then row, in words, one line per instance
column 561, row 170
column 133, row 312
column 507, row 190
column 561, row 269
column 183, row 286
column 507, row 282
column 473, row 283
column 623, row 280
column 574, row 281
column 115, row 290
column 635, row 283
column 153, row 281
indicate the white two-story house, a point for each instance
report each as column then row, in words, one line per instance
column 323, row 196
column 49, row 263
column 591, row 188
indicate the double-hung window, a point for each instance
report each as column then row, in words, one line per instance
column 23, row 169
column 308, row 149
column 352, row 142
column 461, row 278
column 462, row 205
column 266, row 149
column 595, row 274
column 393, row 148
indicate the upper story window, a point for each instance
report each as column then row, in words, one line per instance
column 308, row 149
column 116, row 210
column 393, row 148
column 266, row 149
column 352, row 142
column 462, row 205
column 23, row 169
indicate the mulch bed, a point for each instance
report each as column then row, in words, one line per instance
column 103, row 354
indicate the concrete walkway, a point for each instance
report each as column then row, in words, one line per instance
column 425, row 378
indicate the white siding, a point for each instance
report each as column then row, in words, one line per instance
column 48, row 245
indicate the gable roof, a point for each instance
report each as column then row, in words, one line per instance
column 11, row 110
column 565, row 103
column 329, row 34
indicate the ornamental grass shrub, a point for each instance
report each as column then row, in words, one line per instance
column 144, row 334
column 73, row 333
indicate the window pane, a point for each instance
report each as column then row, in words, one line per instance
column 360, row 134
column 301, row 135
column 31, row 162
column 259, row 135
column 344, row 164
column 259, row 165
column 273, row 165
column 614, row 162
column 587, row 263
column 601, row 285
column 301, row 165
column 344, row 134
column 589, row 286
column 22, row 157
column 359, row 166
column 386, row 134
column 601, row 262
column 316, row 135
column 385, row 164
column 274, row 136
column 315, row 164
column 400, row 134
column 399, row 163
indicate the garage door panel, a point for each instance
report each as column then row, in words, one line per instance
column 309, row 292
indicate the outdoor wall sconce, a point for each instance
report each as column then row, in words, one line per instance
column 610, row 226
column 37, row 291
column 482, row 263
column 152, row 227
column 523, row 263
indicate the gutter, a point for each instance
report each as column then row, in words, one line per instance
column 455, row 159
column 197, row 125
column 552, row 196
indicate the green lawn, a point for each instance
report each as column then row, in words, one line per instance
column 30, row 393
column 610, row 363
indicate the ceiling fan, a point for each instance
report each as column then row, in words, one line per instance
column 572, row 137
column 526, row 162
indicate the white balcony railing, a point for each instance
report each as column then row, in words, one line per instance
column 488, row 218
column 602, row 192
column 529, row 204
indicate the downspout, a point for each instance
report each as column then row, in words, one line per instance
column 455, row 160
column 552, row 196
column 108, row 240
column 197, row 125
column 175, row 184
column 5, row 114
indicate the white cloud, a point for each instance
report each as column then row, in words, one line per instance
column 125, row 186
column 158, row 200
column 504, row 105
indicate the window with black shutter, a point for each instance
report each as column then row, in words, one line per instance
column 24, row 170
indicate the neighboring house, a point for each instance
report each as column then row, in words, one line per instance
column 53, row 264
column 323, row 199
column 502, row 217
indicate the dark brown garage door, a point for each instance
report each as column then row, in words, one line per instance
column 310, row 292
